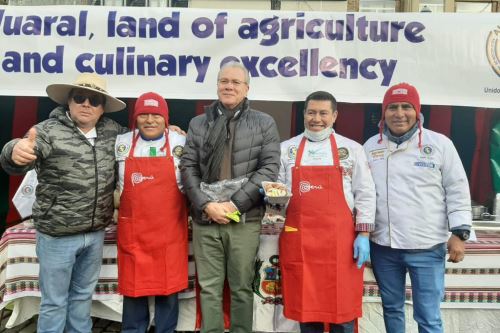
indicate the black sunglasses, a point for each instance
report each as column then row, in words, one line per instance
column 94, row 100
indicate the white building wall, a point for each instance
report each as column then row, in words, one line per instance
column 231, row 4
column 321, row 6
column 293, row 5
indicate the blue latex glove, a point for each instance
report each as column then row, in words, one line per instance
column 263, row 193
column 361, row 249
column 266, row 200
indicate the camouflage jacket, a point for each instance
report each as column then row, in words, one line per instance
column 76, row 179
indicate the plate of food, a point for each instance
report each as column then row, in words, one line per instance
column 276, row 193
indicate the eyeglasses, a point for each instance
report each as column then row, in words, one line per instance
column 235, row 83
column 395, row 107
column 94, row 100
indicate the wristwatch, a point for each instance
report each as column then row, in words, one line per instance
column 463, row 234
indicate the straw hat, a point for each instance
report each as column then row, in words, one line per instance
column 59, row 93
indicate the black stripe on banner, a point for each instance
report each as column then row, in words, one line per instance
column 372, row 117
column 425, row 110
column 181, row 111
column 45, row 107
column 121, row 117
column 463, row 134
column 299, row 117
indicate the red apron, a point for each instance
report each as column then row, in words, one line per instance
column 321, row 282
column 152, row 228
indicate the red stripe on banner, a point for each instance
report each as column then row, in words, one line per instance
column 440, row 119
column 197, row 289
column 350, row 121
column 200, row 106
column 293, row 121
column 25, row 116
column 481, row 184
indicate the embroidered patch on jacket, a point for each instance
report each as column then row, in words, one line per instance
column 422, row 164
column 343, row 153
column 178, row 151
column 347, row 172
column 292, row 152
column 378, row 154
column 27, row 190
column 122, row 149
column 427, row 150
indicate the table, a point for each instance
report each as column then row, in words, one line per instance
column 472, row 296
column 471, row 304
column 19, row 277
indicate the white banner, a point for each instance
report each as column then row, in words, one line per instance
column 452, row 59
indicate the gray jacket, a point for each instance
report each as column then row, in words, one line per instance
column 255, row 155
column 76, row 179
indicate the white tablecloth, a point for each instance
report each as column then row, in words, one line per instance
column 472, row 299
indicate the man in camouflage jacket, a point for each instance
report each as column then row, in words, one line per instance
column 73, row 154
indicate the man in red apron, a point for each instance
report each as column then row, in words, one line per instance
column 328, row 221
column 152, row 221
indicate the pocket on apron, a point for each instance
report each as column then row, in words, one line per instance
column 125, row 234
column 290, row 246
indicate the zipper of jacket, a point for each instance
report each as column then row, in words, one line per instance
column 387, row 196
column 96, row 185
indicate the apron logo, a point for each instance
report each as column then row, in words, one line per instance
column 138, row 178
column 305, row 187
column 343, row 153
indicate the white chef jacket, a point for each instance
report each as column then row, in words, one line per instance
column 359, row 189
column 421, row 193
column 142, row 149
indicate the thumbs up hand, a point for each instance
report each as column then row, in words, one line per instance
column 23, row 152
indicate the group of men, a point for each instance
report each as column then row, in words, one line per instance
column 393, row 199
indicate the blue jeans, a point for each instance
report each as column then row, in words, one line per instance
column 69, row 269
column 135, row 315
column 426, row 270
column 334, row 328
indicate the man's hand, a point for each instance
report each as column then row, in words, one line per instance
column 229, row 207
column 23, row 152
column 216, row 211
column 456, row 249
column 176, row 129
column 362, row 248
